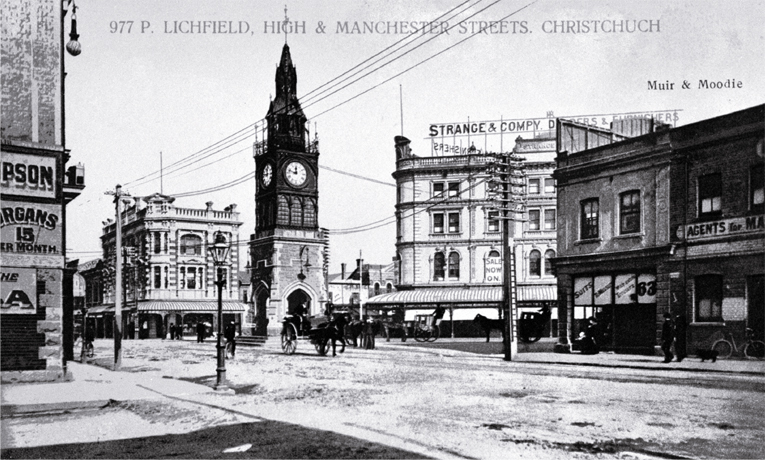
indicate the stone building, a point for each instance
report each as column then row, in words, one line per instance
column 449, row 240
column 345, row 289
column 36, row 299
column 171, row 278
column 289, row 253
column 659, row 220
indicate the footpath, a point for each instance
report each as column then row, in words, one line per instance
column 93, row 386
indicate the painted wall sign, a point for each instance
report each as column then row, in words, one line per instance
column 18, row 291
column 602, row 291
column 583, row 291
column 30, row 228
column 534, row 146
column 646, row 288
column 28, row 175
column 722, row 227
column 624, row 290
column 493, row 270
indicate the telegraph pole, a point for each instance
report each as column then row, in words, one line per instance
column 117, row 329
column 506, row 186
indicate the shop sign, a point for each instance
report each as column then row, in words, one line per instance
column 646, row 288
column 583, row 291
column 602, row 292
column 493, row 270
column 28, row 175
column 624, row 290
column 724, row 227
column 18, row 291
column 534, row 146
column 30, row 228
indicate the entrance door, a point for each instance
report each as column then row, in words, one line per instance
column 634, row 328
column 755, row 289
column 296, row 299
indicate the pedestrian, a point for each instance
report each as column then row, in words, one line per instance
column 172, row 331
column 680, row 337
column 590, row 345
column 230, row 335
column 200, row 332
column 667, row 337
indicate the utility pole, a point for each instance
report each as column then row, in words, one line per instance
column 506, row 186
column 117, row 329
column 361, row 286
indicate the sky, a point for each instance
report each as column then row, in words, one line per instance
column 176, row 79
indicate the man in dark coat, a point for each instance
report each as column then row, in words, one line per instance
column 680, row 337
column 230, row 335
column 201, row 332
column 667, row 337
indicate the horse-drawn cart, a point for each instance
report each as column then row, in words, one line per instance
column 425, row 328
column 298, row 329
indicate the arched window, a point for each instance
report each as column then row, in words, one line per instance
column 439, row 264
column 389, row 288
column 493, row 253
column 191, row 245
column 309, row 213
column 454, row 265
column 296, row 212
column 549, row 254
column 283, row 211
column 377, row 288
column 535, row 268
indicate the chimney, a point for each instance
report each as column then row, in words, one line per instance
column 342, row 271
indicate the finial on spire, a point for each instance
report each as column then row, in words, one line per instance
column 286, row 23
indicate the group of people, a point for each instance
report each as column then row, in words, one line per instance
column 176, row 332
column 589, row 339
column 673, row 335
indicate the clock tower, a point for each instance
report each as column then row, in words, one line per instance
column 288, row 250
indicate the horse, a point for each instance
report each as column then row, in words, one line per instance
column 355, row 328
column 488, row 324
column 333, row 330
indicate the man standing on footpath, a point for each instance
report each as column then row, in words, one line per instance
column 667, row 337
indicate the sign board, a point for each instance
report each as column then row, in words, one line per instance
column 583, row 291
column 624, row 290
column 602, row 292
column 720, row 228
column 18, row 291
column 646, row 288
column 30, row 228
column 28, row 175
column 493, row 270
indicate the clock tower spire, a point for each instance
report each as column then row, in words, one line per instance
column 288, row 249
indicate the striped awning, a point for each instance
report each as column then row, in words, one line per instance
column 472, row 295
column 188, row 306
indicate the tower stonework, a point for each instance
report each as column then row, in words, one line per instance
column 288, row 249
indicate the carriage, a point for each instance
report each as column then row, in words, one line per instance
column 425, row 328
column 296, row 329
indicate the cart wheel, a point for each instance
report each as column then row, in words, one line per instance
column 435, row 333
column 420, row 335
column 289, row 338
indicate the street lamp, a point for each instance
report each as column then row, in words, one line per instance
column 219, row 252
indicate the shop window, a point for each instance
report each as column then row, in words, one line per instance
column 709, row 296
column 439, row 266
column 710, row 195
column 454, row 265
column 589, row 219
column 438, row 222
column 454, row 222
column 493, row 221
column 629, row 212
column 533, row 186
column 549, row 219
column 535, row 268
column 191, row 245
column 549, row 185
column 757, row 188
column 549, row 255
column 533, row 219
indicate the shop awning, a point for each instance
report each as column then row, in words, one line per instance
column 189, row 306
column 473, row 295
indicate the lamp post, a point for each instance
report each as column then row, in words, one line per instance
column 219, row 252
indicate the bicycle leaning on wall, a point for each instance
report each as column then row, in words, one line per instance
column 754, row 349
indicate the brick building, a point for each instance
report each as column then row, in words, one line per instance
column 658, row 220
column 36, row 299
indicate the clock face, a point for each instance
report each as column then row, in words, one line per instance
column 268, row 173
column 295, row 173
